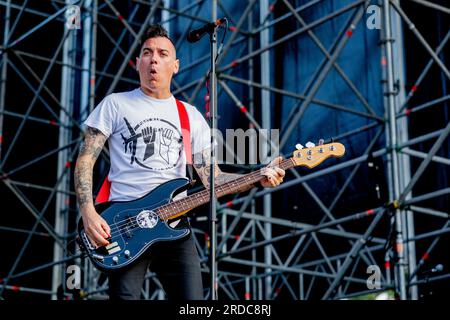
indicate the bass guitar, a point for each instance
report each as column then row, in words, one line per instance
column 136, row 225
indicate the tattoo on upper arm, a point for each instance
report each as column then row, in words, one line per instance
column 93, row 143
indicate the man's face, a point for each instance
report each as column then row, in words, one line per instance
column 156, row 65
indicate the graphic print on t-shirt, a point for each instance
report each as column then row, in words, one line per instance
column 153, row 143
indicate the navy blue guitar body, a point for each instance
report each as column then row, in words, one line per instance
column 134, row 228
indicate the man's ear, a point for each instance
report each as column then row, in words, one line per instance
column 138, row 61
column 177, row 66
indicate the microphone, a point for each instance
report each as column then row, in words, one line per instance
column 197, row 34
column 438, row 268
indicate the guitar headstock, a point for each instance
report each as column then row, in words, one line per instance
column 311, row 157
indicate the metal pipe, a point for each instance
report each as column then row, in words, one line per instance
column 300, row 96
column 423, row 155
column 321, row 77
column 297, row 233
column 394, row 174
column 4, row 60
column 421, row 39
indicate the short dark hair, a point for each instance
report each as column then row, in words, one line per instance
column 153, row 31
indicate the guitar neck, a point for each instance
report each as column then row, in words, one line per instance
column 179, row 207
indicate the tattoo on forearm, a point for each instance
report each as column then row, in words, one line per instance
column 89, row 152
column 202, row 164
column 83, row 183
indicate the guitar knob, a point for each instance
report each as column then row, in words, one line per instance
column 299, row 146
column 115, row 259
column 98, row 257
column 309, row 144
column 127, row 253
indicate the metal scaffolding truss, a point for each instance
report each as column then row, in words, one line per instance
column 51, row 90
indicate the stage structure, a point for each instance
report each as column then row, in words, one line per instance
column 60, row 58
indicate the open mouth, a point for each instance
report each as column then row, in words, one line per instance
column 153, row 74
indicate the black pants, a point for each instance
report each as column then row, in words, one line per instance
column 176, row 264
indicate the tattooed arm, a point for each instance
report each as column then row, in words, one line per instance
column 95, row 226
column 202, row 164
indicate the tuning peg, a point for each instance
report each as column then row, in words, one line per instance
column 299, row 146
column 309, row 144
column 321, row 141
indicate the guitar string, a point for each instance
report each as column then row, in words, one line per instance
column 196, row 195
column 164, row 216
column 117, row 226
column 288, row 162
column 199, row 196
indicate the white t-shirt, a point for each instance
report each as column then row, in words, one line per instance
column 145, row 141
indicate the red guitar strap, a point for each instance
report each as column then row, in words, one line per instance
column 103, row 194
column 185, row 131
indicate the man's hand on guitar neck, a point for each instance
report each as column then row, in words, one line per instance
column 202, row 161
column 274, row 174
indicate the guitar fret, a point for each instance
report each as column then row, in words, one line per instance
column 202, row 197
column 163, row 213
column 187, row 201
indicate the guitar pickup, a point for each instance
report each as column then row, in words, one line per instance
column 113, row 247
column 126, row 231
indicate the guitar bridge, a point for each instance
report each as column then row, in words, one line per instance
column 126, row 230
column 87, row 243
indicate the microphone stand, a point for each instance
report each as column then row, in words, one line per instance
column 193, row 36
column 212, row 192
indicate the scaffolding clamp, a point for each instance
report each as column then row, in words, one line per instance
column 395, row 204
